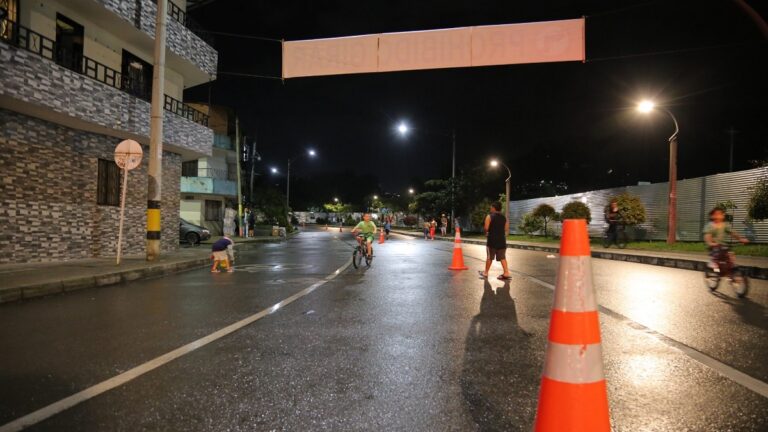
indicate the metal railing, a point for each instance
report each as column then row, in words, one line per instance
column 180, row 16
column 34, row 42
column 216, row 173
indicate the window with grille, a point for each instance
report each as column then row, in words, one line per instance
column 212, row 210
column 189, row 169
column 108, row 188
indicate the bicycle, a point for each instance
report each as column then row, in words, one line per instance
column 727, row 268
column 618, row 236
column 360, row 253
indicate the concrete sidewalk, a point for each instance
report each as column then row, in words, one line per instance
column 24, row 281
column 756, row 267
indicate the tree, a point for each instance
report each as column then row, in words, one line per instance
column 479, row 212
column 631, row 209
column 530, row 224
column 272, row 204
column 757, row 209
column 576, row 210
column 545, row 213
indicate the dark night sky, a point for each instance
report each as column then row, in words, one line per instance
column 570, row 122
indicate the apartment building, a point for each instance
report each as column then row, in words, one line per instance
column 75, row 80
column 209, row 184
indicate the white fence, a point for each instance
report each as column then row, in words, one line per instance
column 695, row 198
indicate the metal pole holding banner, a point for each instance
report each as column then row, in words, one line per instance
column 127, row 156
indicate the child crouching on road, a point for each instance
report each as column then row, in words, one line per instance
column 223, row 253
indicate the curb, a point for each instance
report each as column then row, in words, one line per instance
column 72, row 284
column 680, row 263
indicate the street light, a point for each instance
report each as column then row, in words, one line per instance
column 273, row 170
column 310, row 153
column 411, row 191
column 495, row 163
column 335, row 200
column 646, row 107
column 403, row 129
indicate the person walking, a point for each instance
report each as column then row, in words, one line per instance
column 246, row 216
column 432, row 228
column 443, row 225
column 496, row 229
column 426, row 229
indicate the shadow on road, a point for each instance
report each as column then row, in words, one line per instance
column 751, row 313
column 499, row 379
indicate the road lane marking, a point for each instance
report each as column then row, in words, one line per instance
column 116, row 381
column 721, row 368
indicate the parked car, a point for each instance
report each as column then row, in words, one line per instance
column 191, row 233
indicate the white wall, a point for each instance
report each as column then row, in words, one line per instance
column 192, row 211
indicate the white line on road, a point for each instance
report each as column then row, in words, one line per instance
column 723, row 369
column 116, row 381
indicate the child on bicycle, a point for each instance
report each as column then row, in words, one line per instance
column 367, row 231
column 716, row 234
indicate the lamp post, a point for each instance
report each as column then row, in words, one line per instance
column 646, row 107
column 403, row 129
column 309, row 153
column 495, row 163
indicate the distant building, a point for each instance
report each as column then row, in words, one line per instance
column 208, row 184
column 75, row 80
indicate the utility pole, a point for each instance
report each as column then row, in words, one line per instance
column 155, row 180
column 731, row 132
column 239, row 184
column 453, row 179
column 288, row 187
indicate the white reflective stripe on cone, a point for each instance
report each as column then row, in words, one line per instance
column 575, row 364
column 575, row 292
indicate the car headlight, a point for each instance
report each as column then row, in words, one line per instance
column 206, row 232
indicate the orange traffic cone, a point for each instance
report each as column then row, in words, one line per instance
column 458, row 255
column 340, row 230
column 573, row 395
column 381, row 236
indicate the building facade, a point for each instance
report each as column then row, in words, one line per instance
column 209, row 184
column 75, row 80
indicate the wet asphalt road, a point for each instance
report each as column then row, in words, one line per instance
column 404, row 345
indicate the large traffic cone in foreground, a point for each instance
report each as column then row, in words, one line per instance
column 573, row 395
column 458, row 255
column 381, row 236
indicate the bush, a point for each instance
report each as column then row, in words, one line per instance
column 631, row 209
column 545, row 213
column 575, row 210
column 321, row 221
column 479, row 212
column 758, row 201
column 294, row 220
column 530, row 224
column 349, row 220
column 410, row 220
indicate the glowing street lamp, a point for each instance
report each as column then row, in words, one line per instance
column 411, row 191
column 647, row 107
column 402, row 128
column 310, row 153
column 273, row 170
column 336, row 200
column 495, row 163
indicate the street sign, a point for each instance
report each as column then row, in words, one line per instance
column 127, row 156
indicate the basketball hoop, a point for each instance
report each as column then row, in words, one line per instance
column 127, row 156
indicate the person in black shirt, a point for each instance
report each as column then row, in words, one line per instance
column 496, row 229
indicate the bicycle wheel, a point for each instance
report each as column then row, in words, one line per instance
column 740, row 283
column 369, row 260
column 357, row 257
column 711, row 279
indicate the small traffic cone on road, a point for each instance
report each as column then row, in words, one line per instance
column 381, row 236
column 573, row 395
column 340, row 230
column 458, row 255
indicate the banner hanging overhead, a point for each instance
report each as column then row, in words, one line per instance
column 550, row 41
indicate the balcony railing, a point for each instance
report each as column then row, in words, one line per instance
column 180, row 16
column 217, row 173
column 32, row 41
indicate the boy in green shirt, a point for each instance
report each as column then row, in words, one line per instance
column 367, row 230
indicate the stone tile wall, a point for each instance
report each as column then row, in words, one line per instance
column 30, row 78
column 180, row 40
column 48, row 209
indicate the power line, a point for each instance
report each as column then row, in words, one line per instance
column 676, row 51
column 249, row 75
column 242, row 36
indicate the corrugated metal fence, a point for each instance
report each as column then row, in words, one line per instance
column 695, row 197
